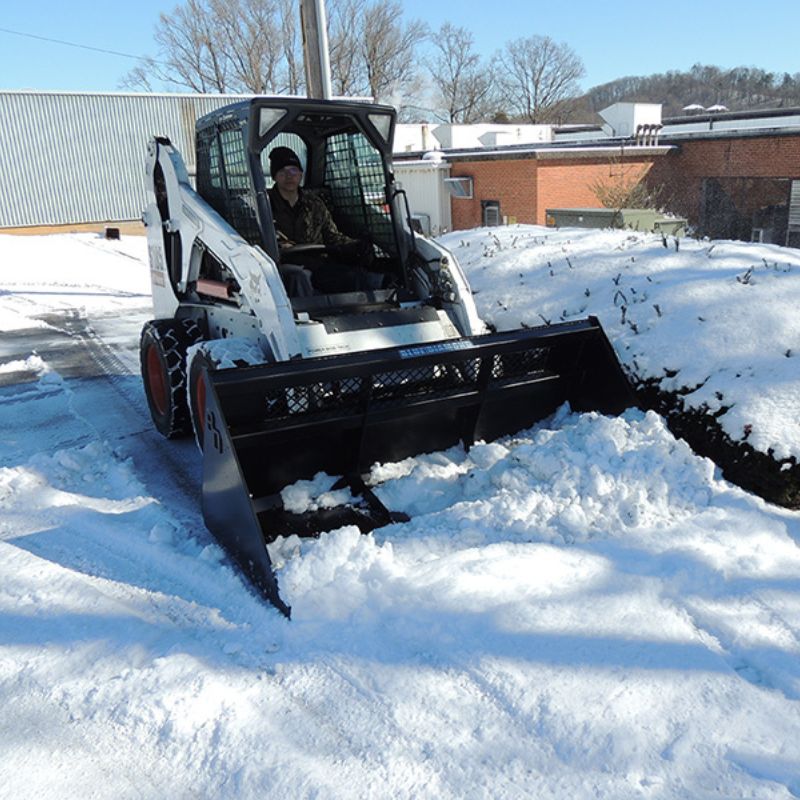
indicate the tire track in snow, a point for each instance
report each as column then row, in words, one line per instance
column 739, row 658
column 375, row 734
column 363, row 722
column 170, row 470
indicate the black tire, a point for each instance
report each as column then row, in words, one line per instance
column 201, row 363
column 162, row 353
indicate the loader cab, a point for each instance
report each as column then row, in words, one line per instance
column 345, row 149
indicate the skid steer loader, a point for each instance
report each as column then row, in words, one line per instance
column 326, row 382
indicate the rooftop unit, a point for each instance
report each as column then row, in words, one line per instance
column 640, row 120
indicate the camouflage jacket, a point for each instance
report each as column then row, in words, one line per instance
column 307, row 222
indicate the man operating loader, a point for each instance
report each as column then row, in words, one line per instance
column 302, row 218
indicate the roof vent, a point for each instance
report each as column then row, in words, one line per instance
column 623, row 120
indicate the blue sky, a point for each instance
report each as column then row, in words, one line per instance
column 613, row 39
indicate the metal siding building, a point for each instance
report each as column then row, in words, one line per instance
column 428, row 197
column 70, row 157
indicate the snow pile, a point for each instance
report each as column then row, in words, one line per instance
column 312, row 495
column 32, row 363
column 716, row 320
column 578, row 480
column 580, row 477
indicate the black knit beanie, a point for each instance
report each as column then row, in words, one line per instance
column 282, row 157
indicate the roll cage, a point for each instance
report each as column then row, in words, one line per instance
column 348, row 148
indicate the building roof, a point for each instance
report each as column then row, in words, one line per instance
column 761, row 122
column 543, row 152
column 586, row 141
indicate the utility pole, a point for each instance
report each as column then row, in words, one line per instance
column 315, row 48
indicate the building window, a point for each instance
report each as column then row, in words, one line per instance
column 491, row 213
column 460, row 187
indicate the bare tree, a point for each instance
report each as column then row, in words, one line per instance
column 245, row 33
column 389, row 49
column 293, row 73
column 139, row 79
column 255, row 46
column 215, row 46
column 463, row 83
column 373, row 52
column 188, row 53
column 348, row 70
column 626, row 186
column 540, row 76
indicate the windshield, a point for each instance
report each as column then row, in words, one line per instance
column 356, row 180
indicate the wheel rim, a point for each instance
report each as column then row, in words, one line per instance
column 157, row 380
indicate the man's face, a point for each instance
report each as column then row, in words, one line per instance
column 288, row 178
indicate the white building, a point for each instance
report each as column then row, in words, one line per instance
column 425, row 184
column 421, row 137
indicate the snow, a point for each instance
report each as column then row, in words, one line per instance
column 716, row 319
column 227, row 353
column 584, row 609
column 319, row 492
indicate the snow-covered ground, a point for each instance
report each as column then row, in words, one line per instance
column 717, row 318
column 582, row 610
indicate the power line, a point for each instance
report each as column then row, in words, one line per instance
column 80, row 46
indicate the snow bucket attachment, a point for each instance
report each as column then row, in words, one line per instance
column 271, row 425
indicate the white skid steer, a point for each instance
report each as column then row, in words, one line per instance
column 397, row 364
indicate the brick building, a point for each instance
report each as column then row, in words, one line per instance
column 519, row 186
column 731, row 176
column 743, row 185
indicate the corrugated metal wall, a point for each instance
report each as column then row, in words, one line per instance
column 67, row 158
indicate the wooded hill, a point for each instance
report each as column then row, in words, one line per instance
column 739, row 89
